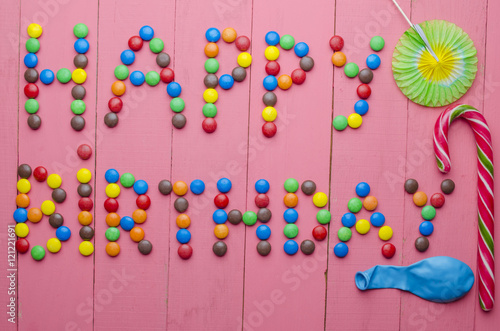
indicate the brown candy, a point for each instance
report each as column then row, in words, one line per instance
column 211, row 81
column 447, row 186
column 34, row 121
column 181, row 204
column 306, row 63
column 365, row 76
column 59, row 195
column 421, row 244
column 78, row 92
column 24, row 171
column 411, row 186
column 31, row 75
column 234, row 217
column 307, row 247
column 178, row 121
column 239, row 74
column 111, row 120
column 219, row 248
column 163, row 59
column 308, row 187
column 264, row 247
column 165, row 187
column 269, row 99
column 264, row 215
column 86, row 232
column 84, row 190
column 56, row 220
column 145, row 247
column 77, row 123
column 80, row 61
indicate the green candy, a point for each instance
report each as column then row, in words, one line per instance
column 287, row 41
column 80, row 30
column 249, row 218
column 291, row 185
column 323, row 216
column 31, row 106
column 121, row 72
column 377, row 43
column 37, row 253
column 177, row 105
column 428, row 213
column 63, row 75
column 32, row 45
column 156, row 45
column 344, row 234
column 152, row 78
column 209, row 110
column 351, row 69
column 112, row 233
column 340, row 122
column 127, row 179
column 354, row 205
column 211, row 66
column 78, row 107
column 291, row 231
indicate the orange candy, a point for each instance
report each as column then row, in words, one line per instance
column 183, row 221
column 35, row 215
column 229, row 35
column 113, row 249
column 211, row 50
column 22, row 200
column 113, row 219
column 370, row 203
column 284, row 82
column 338, row 59
column 85, row 218
column 180, row 188
column 291, row 200
column 221, row 231
column 118, row 88
column 139, row 216
column 137, row 234
column 420, row 198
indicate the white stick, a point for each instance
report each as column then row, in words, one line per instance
column 402, row 12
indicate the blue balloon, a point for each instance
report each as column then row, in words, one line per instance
column 212, row 35
column 263, row 232
column 270, row 83
column 127, row 223
column 340, row 250
column 272, row 38
column 437, row 279
column 183, row 236
column 290, row 215
column 224, row 185
column 111, row 175
column 373, row 61
column 81, row 46
column 377, row 219
column 291, row 247
column 301, row 49
column 137, row 78
column 146, row 33
column 197, row 186
column 174, row 89
column 362, row 189
column 262, row 186
column 20, row 215
column 47, row 76
column 140, row 187
column 127, row 57
column 361, row 107
column 219, row 216
column 30, row 60
column 63, row 233
column 426, row 228
column 226, row 81
column 348, row 220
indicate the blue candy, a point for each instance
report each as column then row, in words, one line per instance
column 270, row 83
column 212, row 35
column 146, row 32
column 224, row 185
column 47, row 76
column 219, row 216
column 20, row 215
column 272, row 38
column 226, row 81
column 290, row 215
column 263, row 232
column 174, row 89
column 301, row 49
column 127, row 223
column 291, row 247
column 111, row 176
column 348, row 220
column 63, row 233
column 127, row 57
column 426, row 228
column 340, row 250
column 361, row 107
column 197, row 186
column 262, row 186
column 140, row 187
column 362, row 189
column 81, row 46
column 373, row 61
column 137, row 78
column 30, row 60
column 183, row 236
column 377, row 219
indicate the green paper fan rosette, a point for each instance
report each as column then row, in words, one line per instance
column 428, row 82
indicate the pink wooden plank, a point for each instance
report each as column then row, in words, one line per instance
column 373, row 153
column 55, row 282
column 206, row 291
column 459, row 214
column 279, row 286
column 140, row 144
column 9, row 55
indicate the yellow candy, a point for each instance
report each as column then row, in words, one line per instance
column 79, row 76
column 54, row 245
column 354, row 120
column 86, row 248
column 362, row 226
column 244, row 60
column 112, row 190
column 84, row 175
column 320, row 199
column 385, row 233
column 54, row 181
column 23, row 186
column 21, row 230
column 210, row 95
column 48, row 207
column 272, row 53
column 34, row 30
column 269, row 114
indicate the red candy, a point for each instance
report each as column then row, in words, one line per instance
column 135, row 43
column 143, row 202
column 272, row 68
column 388, row 250
column 86, row 204
column 31, row 90
column 84, row 151
column 298, row 76
column 209, row 125
column 437, row 200
column 364, row 91
column 242, row 43
column 262, row 200
column 221, row 200
column 336, row 43
column 22, row 245
column 319, row 232
column 115, row 104
column 40, row 174
column 269, row 129
column 167, row 75
column 111, row 205
column 185, row 251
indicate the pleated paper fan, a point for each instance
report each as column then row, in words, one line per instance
column 423, row 79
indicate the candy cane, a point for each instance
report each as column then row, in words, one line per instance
column 485, row 255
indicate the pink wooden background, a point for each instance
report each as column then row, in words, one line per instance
column 242, row 290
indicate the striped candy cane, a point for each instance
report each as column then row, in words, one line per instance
column 485, row 254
